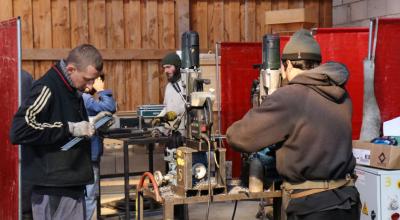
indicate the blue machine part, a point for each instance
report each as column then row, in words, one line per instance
column 268, row 160
column 387, row 140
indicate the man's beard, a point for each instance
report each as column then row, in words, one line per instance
column 175, row 77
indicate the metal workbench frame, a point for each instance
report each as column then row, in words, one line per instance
column 149, row 142
column 169, row 202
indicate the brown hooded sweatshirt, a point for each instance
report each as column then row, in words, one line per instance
column 311, row 117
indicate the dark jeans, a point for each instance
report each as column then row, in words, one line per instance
column 333, row 214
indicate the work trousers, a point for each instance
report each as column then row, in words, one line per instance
column 332, row 214
column 48, row 207
column 92, row 192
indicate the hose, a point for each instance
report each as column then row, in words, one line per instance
column 143, row 184
column 205, row 137
column 234, row 210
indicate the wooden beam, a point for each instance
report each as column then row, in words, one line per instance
column 108, row 54
column 305, row 15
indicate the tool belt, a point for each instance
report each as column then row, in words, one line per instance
column 316, row 186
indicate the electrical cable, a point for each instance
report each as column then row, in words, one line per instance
column 234, row 210
column 205, row 137
column 143, row 184
column 215, row 160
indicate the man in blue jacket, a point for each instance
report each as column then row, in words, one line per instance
column 101, row 100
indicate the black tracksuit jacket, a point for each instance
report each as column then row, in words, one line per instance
column 41, row 126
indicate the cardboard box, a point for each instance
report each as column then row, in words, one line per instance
column 376, row 155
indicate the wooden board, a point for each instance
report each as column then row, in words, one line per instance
column 315, row 5
column 215, row 23
column 116, row 40
column 134, row 87
column 23, row 9
column 151, row 41
column 248, row 33
column 42, row 32
column 325, row 13
column 61, row 24
column 108, row 54
column 133, row 39
column 6, row 9
column 232, row 32
column 182, row 19
column 216, row 198
column 97, row 23
column 79, row 22
column 296, row 4
column 200, row 22
column 261, row 27
column 208, row 71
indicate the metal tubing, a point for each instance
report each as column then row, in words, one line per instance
column 217, row 47
column 371, row 22
column 151, row 160
column 126, row 180
column 19, row 48
column 375, row 39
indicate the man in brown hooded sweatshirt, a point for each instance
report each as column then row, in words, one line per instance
column 311, row 119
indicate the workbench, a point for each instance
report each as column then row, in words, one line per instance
column 169, row 202
column 149, row 142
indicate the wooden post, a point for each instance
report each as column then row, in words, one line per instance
column 168, row 211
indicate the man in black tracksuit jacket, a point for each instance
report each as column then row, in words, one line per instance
column 53, row 114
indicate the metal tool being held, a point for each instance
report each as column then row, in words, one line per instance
column 76, row 140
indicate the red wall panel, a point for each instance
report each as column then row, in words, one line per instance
column 237, row 75
column 350, row 47
column 9, row 100
column 387, row 63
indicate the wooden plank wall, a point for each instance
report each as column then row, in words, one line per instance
column 244, row 20
column 142, row 24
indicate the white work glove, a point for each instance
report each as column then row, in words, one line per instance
column 102, row 114
column 81, row 129
column 155, row 133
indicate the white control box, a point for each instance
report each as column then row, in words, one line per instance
column 379, row 193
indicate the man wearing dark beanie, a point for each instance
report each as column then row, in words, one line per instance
column 174, row 102
column 311, row 120
column 172, row 67
column 174, row 92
